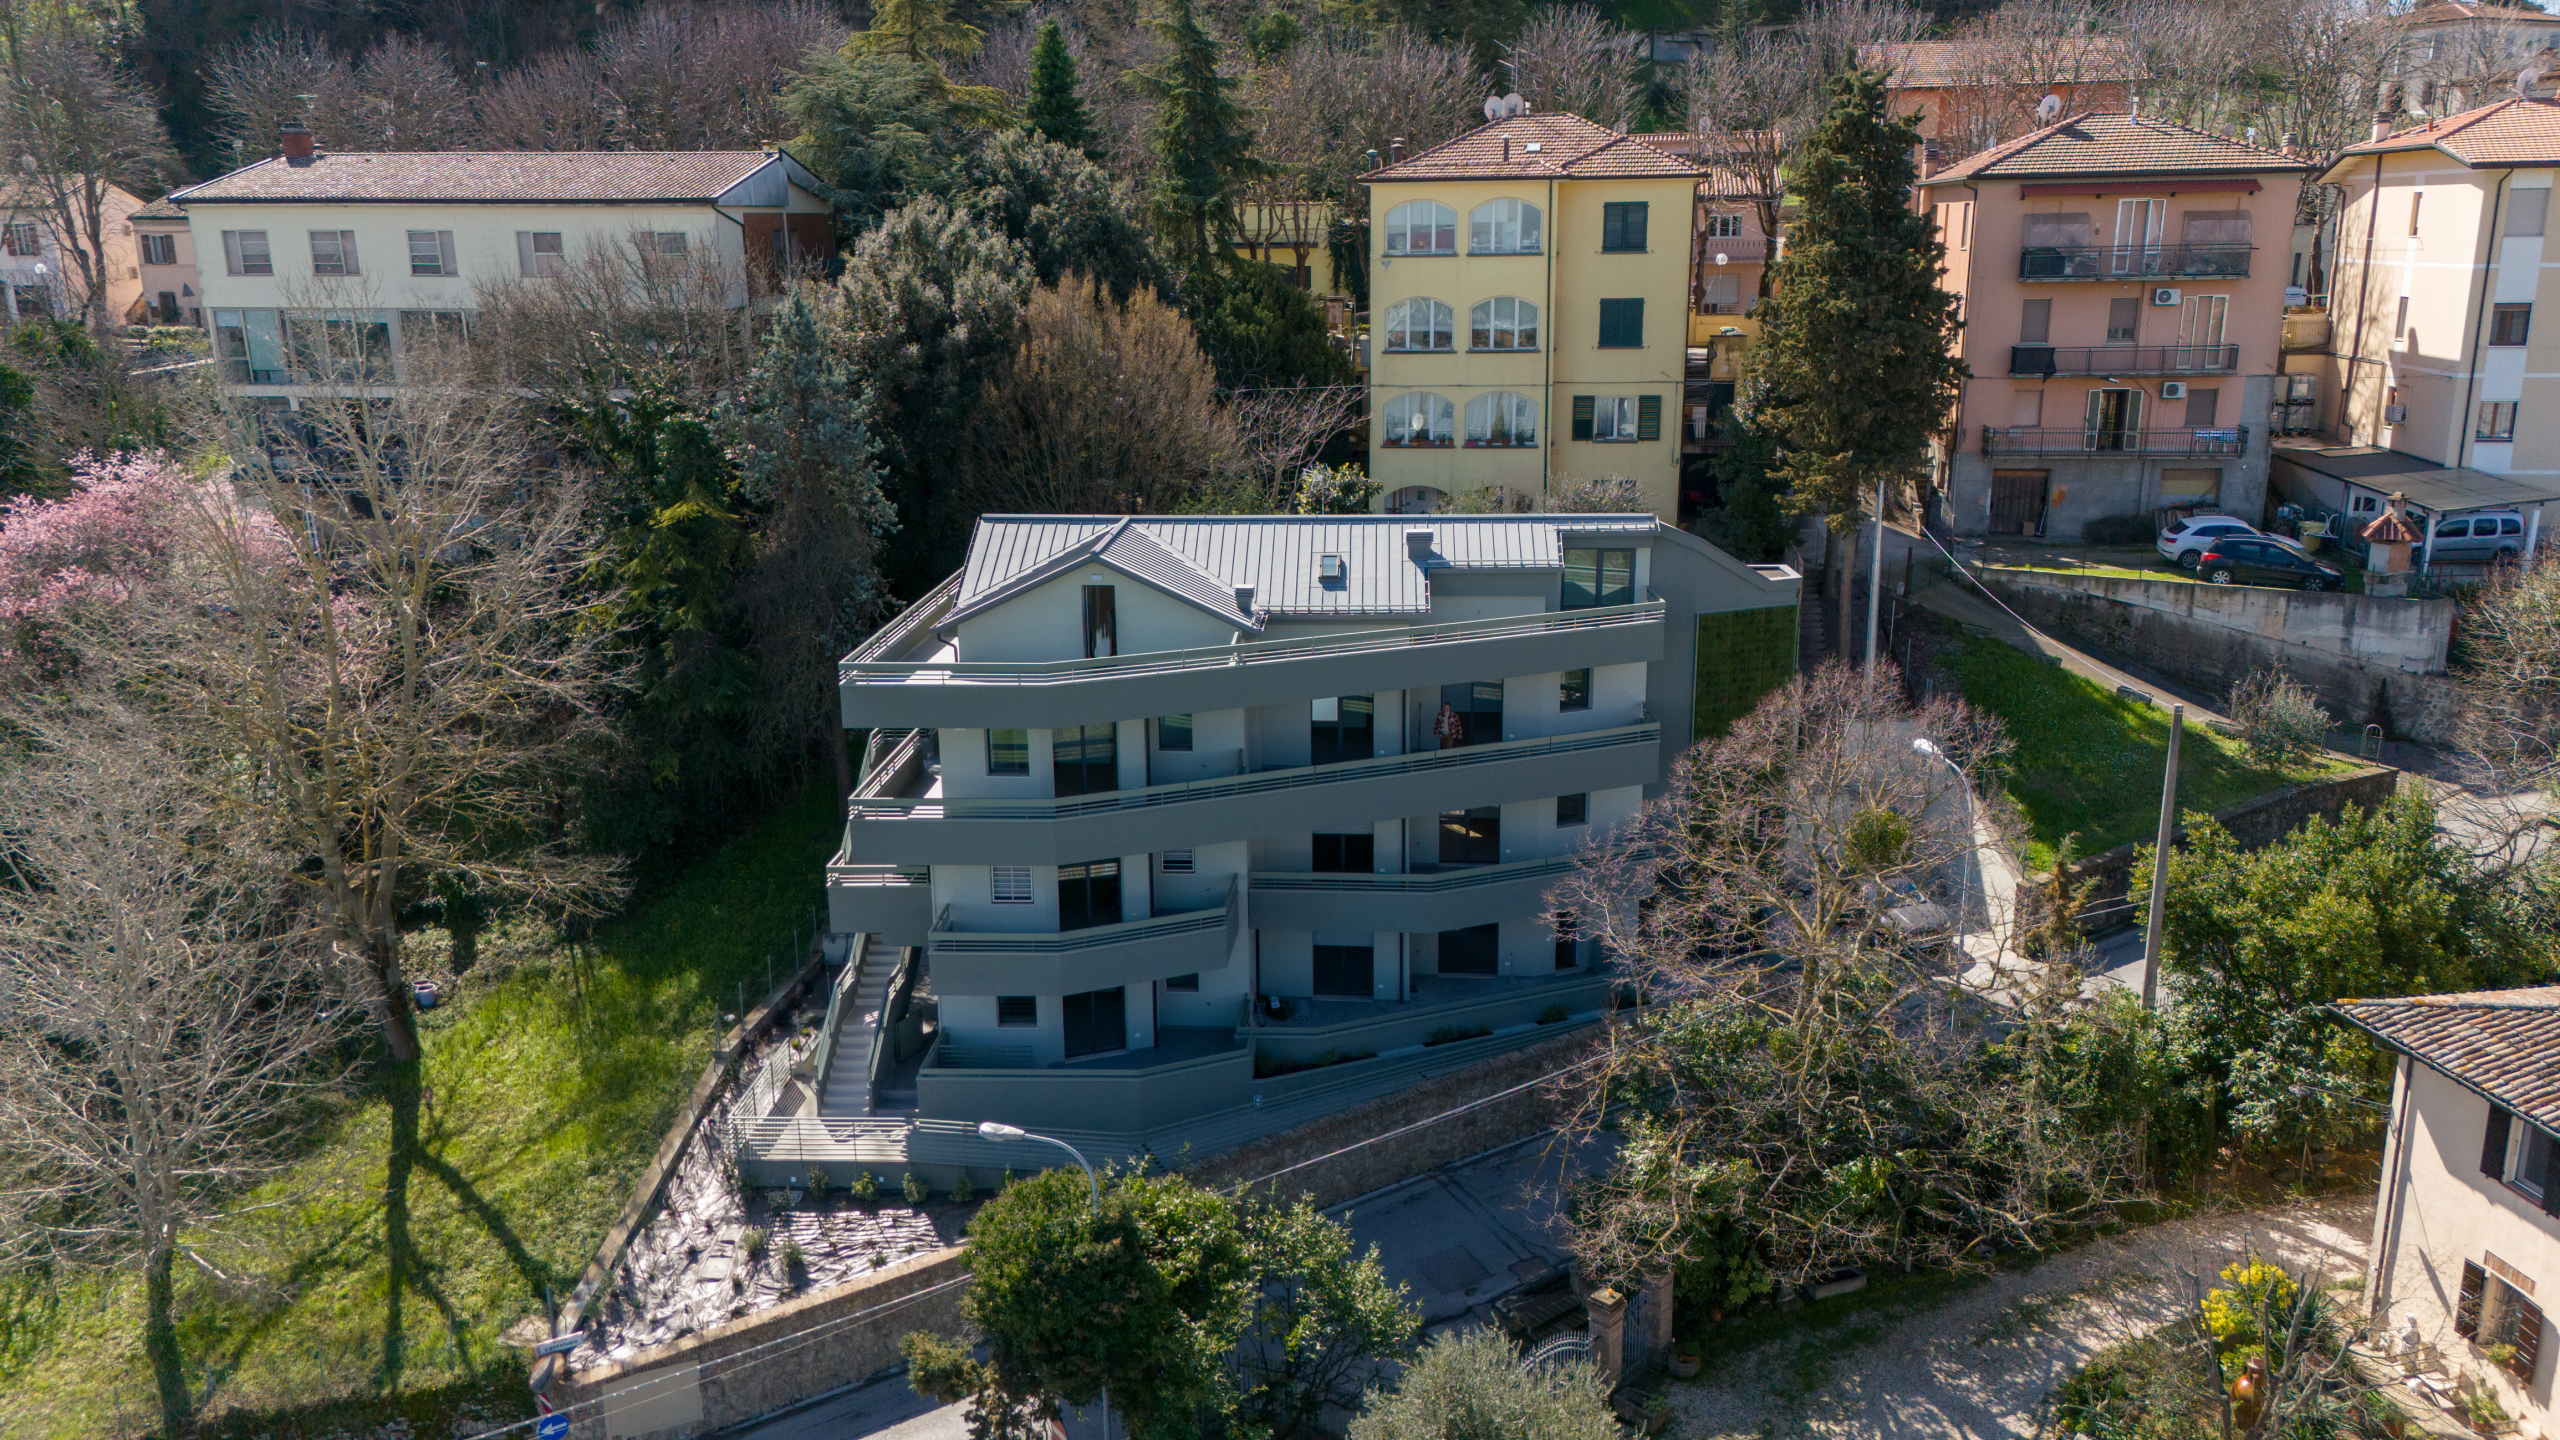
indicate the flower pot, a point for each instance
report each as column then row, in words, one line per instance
column 1686, row 1367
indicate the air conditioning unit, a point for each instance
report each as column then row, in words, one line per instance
column 2394, row 414
column 2164, row 296
column 2173, row 389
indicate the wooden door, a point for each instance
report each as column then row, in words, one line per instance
column 2017, row 501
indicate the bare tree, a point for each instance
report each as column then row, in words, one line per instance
column 558, row 101
column 2004, row 63
column 1341, row 94
column 407, row 97
column 1843, row 33
column 616, row 318
column 1568, row 59
column 1750, row 100
column 690, row 77
column 2470, row 62
column 1278, row 431
column 160, row 1021
column 78, row 127
column 276, row 75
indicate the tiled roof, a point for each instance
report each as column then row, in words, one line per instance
column 2450, row 12
column 2505, row 1044
column 159, row 210
column 488, row 176
column 1202, row 560
column 2111, row 144
column 1568, row 148
column 2505, row 132
column 1944, row 64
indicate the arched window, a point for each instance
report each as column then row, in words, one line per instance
column 1419, row 419
column 1503, row 323
column 1501, row 421
column 1503, row 227
column 1422, row 227
column 1420, row 324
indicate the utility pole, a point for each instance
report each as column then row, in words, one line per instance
column 2160, row 864
column 1875, row 580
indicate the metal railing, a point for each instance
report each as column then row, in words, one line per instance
column 1439, row 883
column 2123, row 359
column 1349, row 772
column 884, row 1032
column 879, row 877
column 858, row 667
column 948, row 941
column 951, row 1055
column 2136, row 262
column 848, row 980
column 894, row 637
column 2081, row 440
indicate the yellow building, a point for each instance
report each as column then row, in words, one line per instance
column 1292, row 234
column 1528, row 313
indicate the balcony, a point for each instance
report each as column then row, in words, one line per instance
column 893, row 903
column 931, row 830
column 2135, row 262
column 2124, row 359
column 1447, row 899
column 1188, row 1073
column 1064, row 962
column 2080, row 440
column 940, row 692
column 1441, row 1004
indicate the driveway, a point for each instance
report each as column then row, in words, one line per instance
column 1978, row 1364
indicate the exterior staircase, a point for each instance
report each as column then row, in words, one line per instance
column 859, row 1014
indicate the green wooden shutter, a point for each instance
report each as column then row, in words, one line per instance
column 1622, row 324
column 1613, row 227
column 2466, row 1306
column 2493, row 1144
column 1582, row 417
column 1648, row 417
column 1635, row 225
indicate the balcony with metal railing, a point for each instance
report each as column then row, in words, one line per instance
column 1442, row 898
column 2104, row 442
column 2135, row 262
column 1067, row 962
column 893, row 902
column 2123, row 359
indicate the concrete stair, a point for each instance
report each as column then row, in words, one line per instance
column 858, row 1029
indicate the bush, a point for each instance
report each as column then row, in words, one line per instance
column 962, row 1192
column 918, row 1192
column 1608, row 495
column 1471, row 1384
column 2117, row 530
column 1554, row 1015
column 863, row 1189
column 2279, row 720
column 1450, row 1034
column 818, row 1181
column 752, row 1242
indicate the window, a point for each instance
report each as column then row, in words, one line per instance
column 1344, row 969
column 1470, row 714
column 1503, row 323
column 1010, row 885
column 333, row 252
column 2124, row 317
column 1101, row 622
column 1502, row 420
column 1724, row 227
column 1352, row 852
column 1017, row 1009
column 1476, row 950
column 422, row 329
column 1568, row 940
column 539, row 252
column 1622, row 225
column 1472, row 836
column 2400, row 326
column 1572, row 810
column 244, row 252
column 1622, row 324
column 1503, row 227
column 1341, row 728
column 1188, row 984
column 1008, row 752
column 1418, row 419
column 1421, row 325
column 1720, row 295
column 1599, row 577
column 1095, row 1022
column 2202, row 401
column 2519, row 1155
column 1573, row 692
column 1088, row 894
column 1085, row 759
column 1180, row 862
column 1173, row 732
column 431, row 253
column 159, row 249
column 20, row 238
column 2508, row 324
column 2497, row 421
column 2035, row 322
column 1617, row 419
column 665, row 244
column 2527, row 210
column 339, row 344
column 2488, row 1311
column 1422, row 227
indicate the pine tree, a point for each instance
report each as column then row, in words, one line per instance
column 1056, row 108
column 917, row 29
column 1203, row 145
column 1856, row 342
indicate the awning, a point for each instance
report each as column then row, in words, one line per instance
column 2432, row 488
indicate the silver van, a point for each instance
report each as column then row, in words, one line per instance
column 2480, row 537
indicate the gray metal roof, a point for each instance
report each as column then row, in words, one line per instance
column 2429, row 486
column 1203, row 559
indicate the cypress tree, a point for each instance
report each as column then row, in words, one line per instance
column 1203, row 145
column 1056, row 109
column 1856, row 341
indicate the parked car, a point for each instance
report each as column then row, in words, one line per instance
column 2185, row 542
column 2266, row 560
column 2483, row 537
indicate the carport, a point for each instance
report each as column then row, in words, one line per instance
column 2352, row 482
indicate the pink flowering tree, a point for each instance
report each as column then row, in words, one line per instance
column 67, row 565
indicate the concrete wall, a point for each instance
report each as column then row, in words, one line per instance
column 2253, row 823
column 2408, row 635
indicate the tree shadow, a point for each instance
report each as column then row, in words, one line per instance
column 401, row 1087
column 537, row 1275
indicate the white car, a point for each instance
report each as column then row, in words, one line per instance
column 2187, row 540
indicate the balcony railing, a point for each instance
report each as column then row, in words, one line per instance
column 1056, row 962
column 894, row 902
column 1439, row 900
column 2134, row 262
column 2080, row 440
column 2123, row 359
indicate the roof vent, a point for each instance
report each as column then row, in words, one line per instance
column 1331, row 571
column 1244, row 599
column 1395, row 147
column 1530, row 146
column 1417, row 544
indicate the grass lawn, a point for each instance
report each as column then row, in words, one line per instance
column 550, row 1079
column 2088, row 761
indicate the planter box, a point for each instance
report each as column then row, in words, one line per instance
column 1839, row 1282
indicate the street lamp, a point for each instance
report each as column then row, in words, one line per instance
column 1928, row 747
column 990, row 1130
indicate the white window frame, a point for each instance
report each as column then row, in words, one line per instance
column 1430, row 218
column 1505, row 227
column 1009, row 884
column 237, row 258
column 1499, row 323
column 1614, row 419
column 1438, row 327
column 1516, row 413
column 1439, row 427
column 433, row 247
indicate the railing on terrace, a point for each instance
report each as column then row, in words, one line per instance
column 2123, row 359
column 847, row 979
column 948, row 941
column 1429, row 883
column 2134, row 262
column 950, row 1055
column 917, row 619
column 880, row 877
column 2080, row 440
column 884, row 1035
column 1262, row 783
column 858, row 667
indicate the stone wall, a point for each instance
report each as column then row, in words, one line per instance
column 2253, row 823
column 754, row 1366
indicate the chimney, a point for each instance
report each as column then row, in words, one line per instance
column 1928, row 158
column 1244, row 600
column 2381, row 131
column 1395, row 149
column 1417, row 545
column 297, row 142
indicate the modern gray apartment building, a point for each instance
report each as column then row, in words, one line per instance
column 1175, row 829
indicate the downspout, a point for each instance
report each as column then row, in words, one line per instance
column 1955, row 429
column 2364, row 286
column 2390, row 1244
column 1547, row 452
column 2463, row 428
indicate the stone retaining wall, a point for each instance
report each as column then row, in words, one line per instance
column 2253, row 823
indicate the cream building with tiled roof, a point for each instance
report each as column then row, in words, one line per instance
column 1528, row 312
column 2122, row 331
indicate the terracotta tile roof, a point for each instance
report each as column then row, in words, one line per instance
column 2110, row 144
column 2449, row 12
column 1946, row 64
column 160, row 209
column 2505, row 1044
column 1568, row 148
column 487, row 176
column 2504, row 132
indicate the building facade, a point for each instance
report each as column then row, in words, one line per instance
column 2123, row 336
column 166, row 257
column 37, row 279
column 1973, row 93
column 323, row 268
column 2451, row 55
column 2467, row 1229
column 1177, row 812
column 1529, row 293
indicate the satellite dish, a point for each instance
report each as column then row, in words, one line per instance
column 2049, row 109
column 1515, row 104
column 2526, row 79
column 1500, row 107
column 1493, row 107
